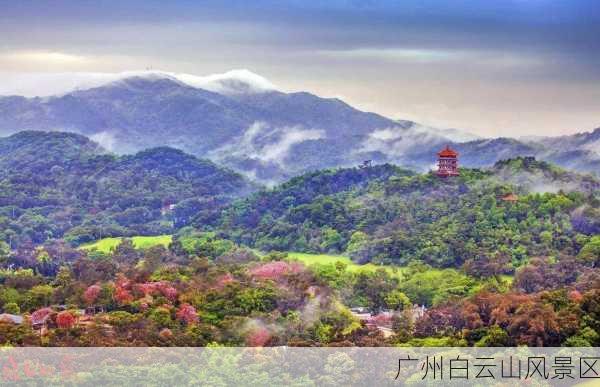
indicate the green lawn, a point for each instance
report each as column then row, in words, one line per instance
column 106, row 245
column 323, row 259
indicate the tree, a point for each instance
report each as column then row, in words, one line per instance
column 91, row 294
column 397, row 300
column 357, row 240
column 12, row 308
column 4, row 252
column 494, row 337
column 40, row 295
column 65, row 319
column 590, row 252
column 375, row 287
column 187, row 314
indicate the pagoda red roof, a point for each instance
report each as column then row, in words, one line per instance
column 448, row 152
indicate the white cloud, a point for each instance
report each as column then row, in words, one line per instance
column 48, row 84
column 268, row 144
column 289, row 137
column 231, row 82
column 593, row 146
column 105, row 139
column 46, row 57
column 397, row 141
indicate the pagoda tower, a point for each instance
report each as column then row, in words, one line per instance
column 447, row 162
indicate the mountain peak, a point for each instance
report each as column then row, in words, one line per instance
column 235, row 81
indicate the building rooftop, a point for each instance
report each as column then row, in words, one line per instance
column 447, row 152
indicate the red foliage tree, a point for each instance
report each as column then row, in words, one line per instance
column 65, row 319
column 122, row 295
column 91, row 294
column 526, row 318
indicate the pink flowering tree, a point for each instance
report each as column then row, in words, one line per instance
column 91, row 294
column 40, row 314
column 258, row 337
column 187, row 314
column 275, row 270
column 155, row 288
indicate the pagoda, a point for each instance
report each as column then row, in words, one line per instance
column 447, row 162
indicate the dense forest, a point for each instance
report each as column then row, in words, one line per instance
column 386, row 215
column 62, row 185
column 499, row 257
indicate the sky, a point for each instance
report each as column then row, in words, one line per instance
column 495, row 68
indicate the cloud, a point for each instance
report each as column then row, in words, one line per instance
column 48, row 84
column 396, row 54
column 289, row 137
column 46, row 57
column 473, row 56
column 105, row 139
column 268, row 144
column 593, row 146
column 231, row 82
column 396, row 141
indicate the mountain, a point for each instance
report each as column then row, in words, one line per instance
column 383, row 214
column 30, row 151
column 240, row 120
column 57, row 184
column 533, row 175
column 579, row 151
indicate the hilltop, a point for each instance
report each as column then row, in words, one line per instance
column 533, row 175
column 395, row 216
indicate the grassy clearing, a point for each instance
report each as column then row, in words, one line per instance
column 508, row 278
column 106, row 245
column 324, row 259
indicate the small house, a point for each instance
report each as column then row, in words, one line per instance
column 510, row 197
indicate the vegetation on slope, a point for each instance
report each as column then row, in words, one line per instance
column 55, row 185
column 436, row 252
column 400, row 217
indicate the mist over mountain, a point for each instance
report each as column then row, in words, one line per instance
column 242, row 121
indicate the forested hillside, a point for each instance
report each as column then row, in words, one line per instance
column 386, row 215
column 55, row 185
column 505, row 256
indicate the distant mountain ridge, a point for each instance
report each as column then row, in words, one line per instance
column 269, row 135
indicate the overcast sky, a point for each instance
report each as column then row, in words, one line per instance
column 496, row 68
